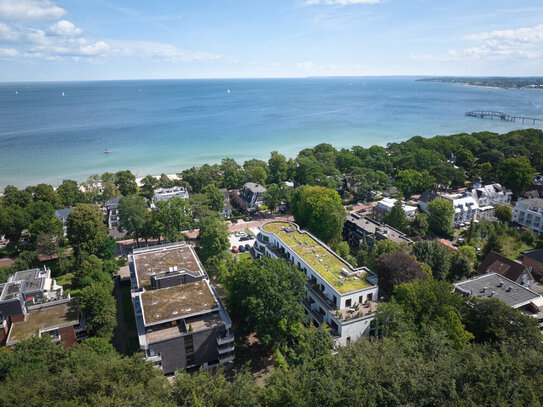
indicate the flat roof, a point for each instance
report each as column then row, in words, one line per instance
column 493, row 285
column 371, row 226
column 10, row 291
column 161, row 259
column 319, row 256
column 46, row 318
column 33, row 278
column 176, row 302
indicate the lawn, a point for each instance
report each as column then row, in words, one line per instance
column 512, row 247
column 66, row 281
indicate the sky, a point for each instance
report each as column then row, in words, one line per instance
column 71, row 40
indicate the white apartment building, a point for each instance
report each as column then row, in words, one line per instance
column 529, row 213
column 385, row 205
column 338, row 294
column 164, row 194
column 465, row 208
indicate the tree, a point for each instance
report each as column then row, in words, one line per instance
column 148, row 185
column 419, row 225
column 367, row 255
column 436, row 255
column 46, row 193
column 13, row 196
column 125, row 181
column 320, row 210
column 85, row 229
column 493, row 244
column 13, row 220
column 90, row 271
column 414, row 182
column 441, row 216
column 108, row 248
column 396, row 217
column 272, row 197
column 98, row 306
column 174, row 215
column 461, row 268
column 468, row 252
column 47, row 244
column 70, row 194
column 265, row 295
column 213, row 236
column 516, row 174
column 214, row 196
column 504, row 214
column 465, row 159
column 233, row 173
column 278, row 168
column 132, row 215
column 394, row 269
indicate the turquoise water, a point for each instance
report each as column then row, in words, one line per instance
column 168, row 125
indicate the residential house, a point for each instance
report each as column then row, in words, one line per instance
column 360, row 229
column 529, row 213
column 62, row 215
column 181, row 322
column 337, row 293
column 165, row 194
column 112, row 212
column 511, row 269
column 534, row 259
column 226, row 210
column 253, row 194
column 32, row 304
column 385, row 205
column 493, row 285
column 465, row 208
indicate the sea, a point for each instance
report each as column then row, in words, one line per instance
column 61, row 130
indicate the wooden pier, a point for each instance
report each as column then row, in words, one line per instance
column 483, row 114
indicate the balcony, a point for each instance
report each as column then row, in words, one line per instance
column 226, row 349
column 226, row 357
column 225, row 339
column 320, row 296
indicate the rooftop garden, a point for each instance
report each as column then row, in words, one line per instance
column 318, row 257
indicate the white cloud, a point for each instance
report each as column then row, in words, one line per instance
column 66, row 28
column 342, row 2
column 29, row 10
column 8, row 52
column 524, row 43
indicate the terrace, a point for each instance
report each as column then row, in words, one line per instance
column 319, row 257
column 164, row 259
column 178, row 301
column 44, row 319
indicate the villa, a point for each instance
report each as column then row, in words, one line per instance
column 165, row 194
column 337, row 294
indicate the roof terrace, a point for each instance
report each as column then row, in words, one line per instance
column 162, row 259
column 319, row 257
column 176, row 302
column 43, row 320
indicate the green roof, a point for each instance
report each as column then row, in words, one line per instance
column 319, row 257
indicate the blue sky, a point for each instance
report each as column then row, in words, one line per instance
column 111, row 39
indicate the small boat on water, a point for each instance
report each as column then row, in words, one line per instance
column 228, row 91
column 63, row 94
column 107, row 151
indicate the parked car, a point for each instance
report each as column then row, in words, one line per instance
column 251, row 236
column 247, row 247
column 235, row 249
column 234, row 220
column 244, row 238
column 247, row 219
column 242, row 249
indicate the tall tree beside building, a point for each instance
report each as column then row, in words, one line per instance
column 70, row 194
column 86, row 229
column 213, row 236
column 175, row 217
column 278, row 168
column 98, row 306
column 148, row 185
column 419, row 225
column 215, row 197
column 503, row 214
column 441, row 216
column 394, row 269
column 396, row 217
column 414, row 182
column 125, row 181
column 234, row 175
column 516, row 173
column 132, row 215
column 436, row 255
column 272, row 197
column 320, row 210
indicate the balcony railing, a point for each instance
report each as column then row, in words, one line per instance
column 226, row 349
column 320, row 295
column 226, row 357
column 225, row 339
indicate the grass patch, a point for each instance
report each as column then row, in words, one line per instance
column 243, row 256
column 66, row 281
column 512, row 247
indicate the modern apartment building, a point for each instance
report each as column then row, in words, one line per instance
column 466, row 208
column 182, row 323
column 165, row 194
column 529, row 213
column 360, row 229
column 338, row 294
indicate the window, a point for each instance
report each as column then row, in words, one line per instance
column 370, row 297
column 360, row 299
column 348, row 302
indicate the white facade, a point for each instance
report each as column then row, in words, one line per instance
column 324, row 303
column 529, row 213
column 465, row 210
column 164, row 194
column 489, row 194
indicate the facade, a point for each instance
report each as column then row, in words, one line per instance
column 513, row 270
column 465, row 208
column 493, row 285
column 253, row 194
column 165, row 194
column 112, row 212
column 491, row 194
column 226, row 211
column 62, row 215
column 385, row 205
column 358, row 229
column 529, row 213
column 182, row 324
column 534, row 259
column 32, row 304
column 343, row 297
